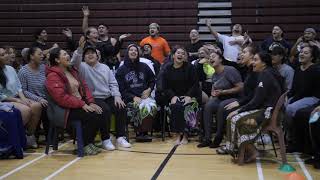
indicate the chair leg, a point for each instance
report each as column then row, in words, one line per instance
column 274, row 148
column 55, row 139
column 49, row 139
column 127, row 132
column 163, row 129
column 262, row 141
column 80, row 144
column 280, row 136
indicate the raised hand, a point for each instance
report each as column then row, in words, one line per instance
column 124, row 36
column 67, row 32
column 82, row 41
column 208, row 22
column 86, row 11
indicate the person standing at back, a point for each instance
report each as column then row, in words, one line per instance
column 160, row 47
column 231, row 44
column 194, row 45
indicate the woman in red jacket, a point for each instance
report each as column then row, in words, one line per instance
column 69, row 92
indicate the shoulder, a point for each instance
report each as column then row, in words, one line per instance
column 230, row 69
column 23, row 69
column 9, row 68
column 144, row 40
column 104, row 67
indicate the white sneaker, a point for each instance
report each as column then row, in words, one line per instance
column 107, row 144
column 122, row 142
column 31, row 142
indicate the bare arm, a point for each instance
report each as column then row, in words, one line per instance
column 294, row 51
column 236, row 89
column 86, row 14
column 212, row 31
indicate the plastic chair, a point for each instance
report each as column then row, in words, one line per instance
column 53, row 137
column 272, row 127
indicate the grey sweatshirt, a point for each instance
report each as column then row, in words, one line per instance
column 100, row 79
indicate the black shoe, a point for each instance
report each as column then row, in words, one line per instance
column 143, row 138
column 216, row 142
column 205, row 143
column 310, row 161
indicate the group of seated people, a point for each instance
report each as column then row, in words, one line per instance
column 231, row 83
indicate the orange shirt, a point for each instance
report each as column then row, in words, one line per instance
column 160, row 47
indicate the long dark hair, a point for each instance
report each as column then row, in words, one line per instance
column 37, row 33
column 136, row 61
column 266, row 58
column 31, row 51
column 54, row 54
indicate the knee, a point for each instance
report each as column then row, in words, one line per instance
column 36, row 107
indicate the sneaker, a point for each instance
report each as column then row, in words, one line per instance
column 122, row 142
column 31, row 142
column 107, row 144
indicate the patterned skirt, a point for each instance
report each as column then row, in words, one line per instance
column 138, row 112
column 183, row 118
column 240, row 130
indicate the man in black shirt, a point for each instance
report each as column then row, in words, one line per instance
column 194, row 45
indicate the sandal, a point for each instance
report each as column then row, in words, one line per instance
column 95, row 148
column 88, row 151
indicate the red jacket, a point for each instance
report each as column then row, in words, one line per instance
column 58, row 88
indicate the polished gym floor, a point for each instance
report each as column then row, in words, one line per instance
column 156, row 160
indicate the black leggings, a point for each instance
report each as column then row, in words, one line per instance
column 108, row 108
column 89, row 122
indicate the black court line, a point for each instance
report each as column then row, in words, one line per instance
column 164, row 163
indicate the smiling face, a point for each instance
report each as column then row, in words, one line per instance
column 64, row 59
column 179, row 56
column 92, row 34
column 308, row 36
column 202, row 53
column 147, row 49
column 91, row 57
column 258, row 64
column 4, row 58
column 133, row 52
column 215, row 60
column 11, row 54
column 305, row 55
column 246, row 57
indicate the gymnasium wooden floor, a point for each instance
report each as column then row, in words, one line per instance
column 147, row 161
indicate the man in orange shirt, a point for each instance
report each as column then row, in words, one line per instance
column 160, row 47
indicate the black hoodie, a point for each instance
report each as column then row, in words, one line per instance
column 269, row 89
column 133, row 78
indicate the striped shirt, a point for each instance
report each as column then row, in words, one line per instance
column 33, row 82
